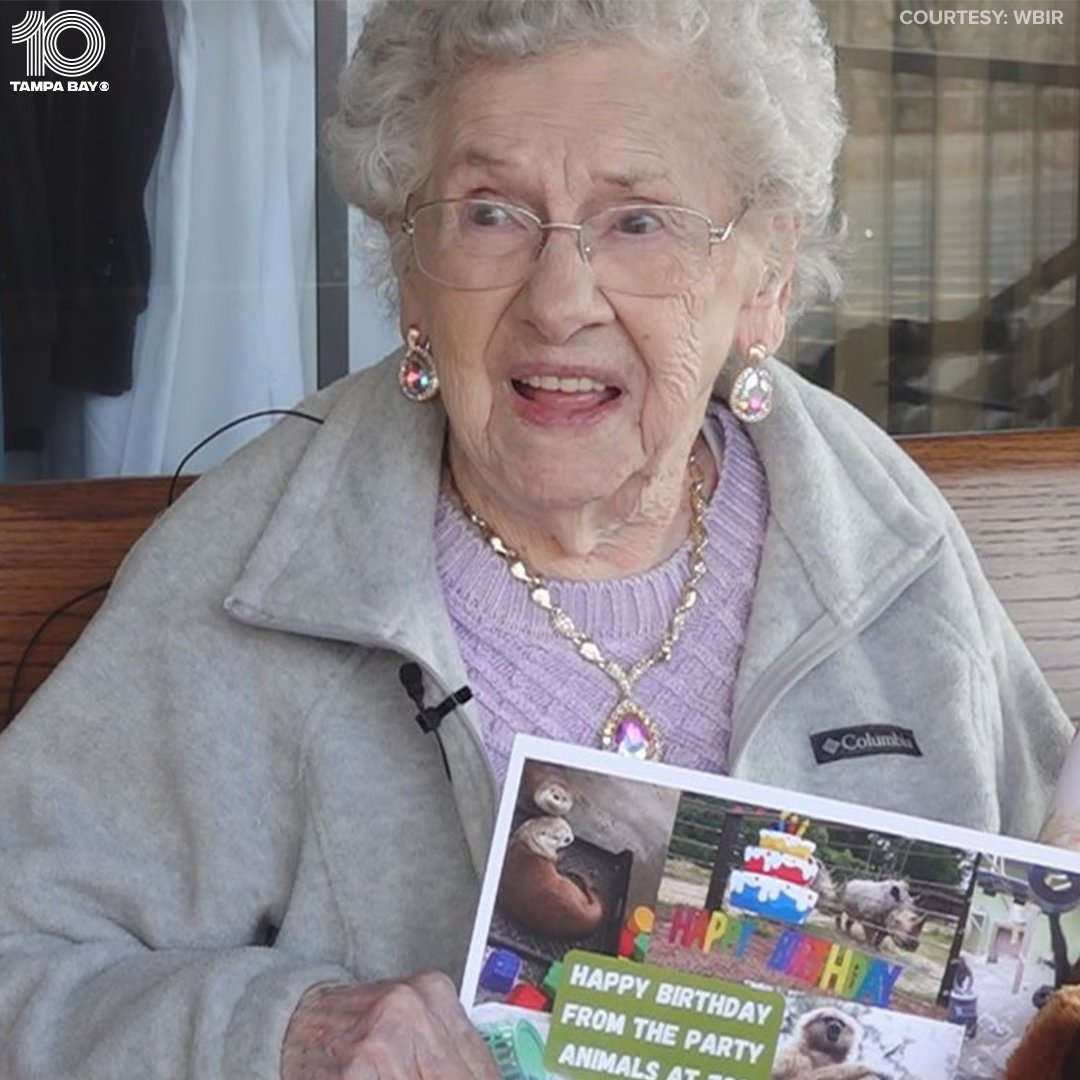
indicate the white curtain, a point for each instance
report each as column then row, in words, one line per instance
column 230, row 326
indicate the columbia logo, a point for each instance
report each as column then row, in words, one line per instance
column 862, row 741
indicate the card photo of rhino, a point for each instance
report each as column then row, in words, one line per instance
column 751, row 893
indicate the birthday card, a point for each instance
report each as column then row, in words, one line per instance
column 644, row 921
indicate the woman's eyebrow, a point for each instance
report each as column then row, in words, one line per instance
column 474, row 157
column 631, row 177
column 626, row 177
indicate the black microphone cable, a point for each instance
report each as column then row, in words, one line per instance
column 58, row 611
column 221, row 431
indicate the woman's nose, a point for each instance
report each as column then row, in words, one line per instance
column 561, row 295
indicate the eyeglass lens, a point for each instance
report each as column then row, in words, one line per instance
column 645, row 250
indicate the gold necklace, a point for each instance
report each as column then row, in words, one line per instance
column 627, row 729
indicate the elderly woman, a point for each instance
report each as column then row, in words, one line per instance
column 584, row 490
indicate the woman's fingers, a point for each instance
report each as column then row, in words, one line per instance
column 440, row 995
column 414, row 1029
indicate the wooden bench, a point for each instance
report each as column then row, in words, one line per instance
column 59, row 541
column 1017, row 494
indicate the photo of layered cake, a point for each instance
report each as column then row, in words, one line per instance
column 776, row 875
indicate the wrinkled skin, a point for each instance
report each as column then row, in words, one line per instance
column 564, row 136
column 414, row 1029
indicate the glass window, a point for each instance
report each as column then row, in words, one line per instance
column 959, row 179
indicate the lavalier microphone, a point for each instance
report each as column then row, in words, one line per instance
column 430, row 716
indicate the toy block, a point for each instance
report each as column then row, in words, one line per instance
column 552, row 978
column 641, row 920
column 500, row 971
column 641, row 947
column 528, row 997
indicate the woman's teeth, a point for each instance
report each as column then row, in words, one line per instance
column 564, row 386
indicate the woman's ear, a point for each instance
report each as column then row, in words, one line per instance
column 763, row 324
column 781, row 254
column 410, row 307
column 763, row 318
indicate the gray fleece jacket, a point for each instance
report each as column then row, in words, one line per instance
column 228, row 747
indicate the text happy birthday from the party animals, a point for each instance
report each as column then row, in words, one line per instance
column 613, row 1018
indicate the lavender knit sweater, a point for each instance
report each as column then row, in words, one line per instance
column 528, row 679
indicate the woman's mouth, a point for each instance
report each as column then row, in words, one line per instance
column 554, row 399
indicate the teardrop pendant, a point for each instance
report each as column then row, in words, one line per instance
column 751, row 397
column 630, row 731
column 417, row 377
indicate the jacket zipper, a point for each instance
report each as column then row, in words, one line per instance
column 818, row 644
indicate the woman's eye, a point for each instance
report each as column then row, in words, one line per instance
column 638, row 223
column 487, row 215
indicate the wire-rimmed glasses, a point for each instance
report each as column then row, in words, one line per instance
column 643, row 249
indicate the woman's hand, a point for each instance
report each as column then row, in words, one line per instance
column 415, row 1029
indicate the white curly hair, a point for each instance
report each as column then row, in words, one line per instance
column 769, row 61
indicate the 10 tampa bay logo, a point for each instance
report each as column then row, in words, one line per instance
column 41, row 36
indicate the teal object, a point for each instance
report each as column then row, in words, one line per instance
column 517, row 1047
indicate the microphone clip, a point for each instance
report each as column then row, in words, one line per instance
column 430, row 716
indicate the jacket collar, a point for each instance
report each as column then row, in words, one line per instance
column 837, row 494
column 844, row 537
column 348, row 553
